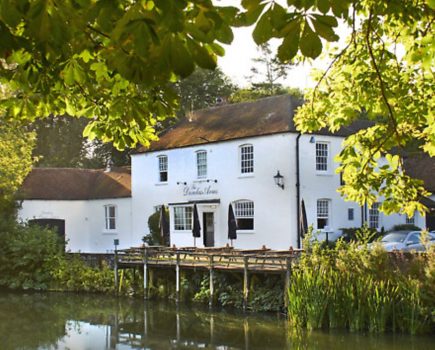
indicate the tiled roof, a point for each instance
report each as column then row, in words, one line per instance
column 421, row 166
column 265, row 116
column 75, row 184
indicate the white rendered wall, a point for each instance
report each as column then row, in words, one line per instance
column 275, row 209
column 85, row 222
column 275, row 213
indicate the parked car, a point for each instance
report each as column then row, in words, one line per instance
column 405, row 241
column 327, row 235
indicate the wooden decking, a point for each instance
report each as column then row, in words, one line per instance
column 210, row 259
column 225, row 258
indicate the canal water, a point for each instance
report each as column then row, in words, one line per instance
column 87, row 322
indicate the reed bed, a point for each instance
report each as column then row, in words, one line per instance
column 353, row 287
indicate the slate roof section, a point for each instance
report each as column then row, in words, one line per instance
column 76, row 184
column 421, row 166
column 266, row 116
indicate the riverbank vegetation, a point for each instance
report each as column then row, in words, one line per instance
column 348, row 286
column 351, row 286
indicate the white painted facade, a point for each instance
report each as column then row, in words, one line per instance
column 275, row 209
column 85, row 222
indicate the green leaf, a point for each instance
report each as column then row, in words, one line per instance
column 310, row 44
column 431, row 4
column 201, row 55
column 289, row 46
column 180, row 59
column 263, row 30
column 323, row 6
column 9, row 13
column 323, row 28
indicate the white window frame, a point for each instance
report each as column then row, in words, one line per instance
column 108, row 218
column 322, row 157
column 244, row 209
column 201, row 164
column 374, row 216
column 183, row 218
column 323, row 212
column 162, row 168
column 246, row 157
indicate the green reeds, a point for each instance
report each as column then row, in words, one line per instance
column 354, row 288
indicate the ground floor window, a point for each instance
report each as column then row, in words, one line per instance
column 244, row 213
column 183, row 218
column 323, row 212
column 374, row 216
column 410, row 220
column 110, row 217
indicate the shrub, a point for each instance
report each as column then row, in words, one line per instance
column 405, row 227
column 27, row 255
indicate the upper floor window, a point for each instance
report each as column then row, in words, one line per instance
column 374, row 216
column 244, row 213
column 201, row 164
column 247, row 159
column 350, row 214
column 163, row 168
column 110, row 217
column 183, row 218
column 323, row 213
column 322, row 156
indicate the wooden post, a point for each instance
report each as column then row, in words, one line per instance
column 245, row 283
column 145, row 274
column 210, row 302
column 288, row 270
column 115, row 269
column 177, row 279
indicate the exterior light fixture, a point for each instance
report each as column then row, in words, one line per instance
column 279, row 179
column 312, row 139
column 182, row 183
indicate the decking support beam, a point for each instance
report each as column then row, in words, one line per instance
column 177, row 279
column 288, row 271
column 145, row 275
column 115, row 270
column 210, row 302
column 245, row 282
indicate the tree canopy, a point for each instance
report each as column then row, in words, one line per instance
column 116, row 62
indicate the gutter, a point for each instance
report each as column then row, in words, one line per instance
column 298, row 192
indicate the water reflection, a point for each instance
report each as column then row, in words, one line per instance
column 66, row 321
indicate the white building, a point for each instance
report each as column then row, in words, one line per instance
column 90, row 208
column 230, row 154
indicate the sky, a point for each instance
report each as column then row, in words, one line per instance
column 237, row 62
column 238, row 57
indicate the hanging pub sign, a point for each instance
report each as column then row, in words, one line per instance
column 199, row 190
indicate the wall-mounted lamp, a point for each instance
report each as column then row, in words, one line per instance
column 312, row 139
column 279, row 179
column 182, row 183
column 210, row 180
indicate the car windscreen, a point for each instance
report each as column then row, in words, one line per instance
column 394, row 237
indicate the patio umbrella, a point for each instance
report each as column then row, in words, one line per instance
column 164, row 226
column 303, row 222
column 196, row 230
column 232, row 224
